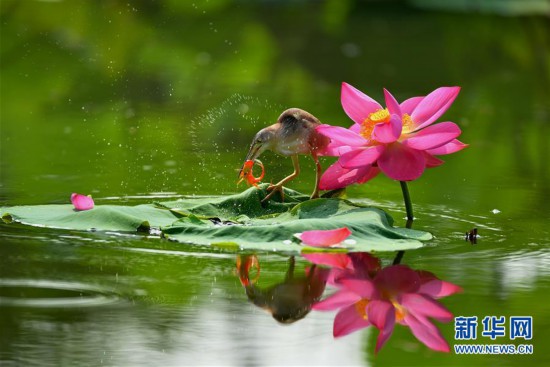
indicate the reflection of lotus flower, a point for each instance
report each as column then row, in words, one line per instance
column 355, row 264
column 399, row 140
column 82, row 202
column 393, row 294
column 324, row 238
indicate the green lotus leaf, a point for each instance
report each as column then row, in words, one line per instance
column 233, row 222
column 243, row 219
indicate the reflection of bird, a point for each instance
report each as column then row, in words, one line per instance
column 289, row 300
column 294, row 133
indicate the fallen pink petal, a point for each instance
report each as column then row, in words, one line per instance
column 82, row 202
column 325, row 238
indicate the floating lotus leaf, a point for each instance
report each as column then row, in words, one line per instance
column 239, row 221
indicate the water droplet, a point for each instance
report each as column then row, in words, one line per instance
column 351, row 50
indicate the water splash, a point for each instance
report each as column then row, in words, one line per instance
column 224, row 130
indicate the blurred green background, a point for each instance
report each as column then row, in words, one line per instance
column 120, row 98
column 131, row 100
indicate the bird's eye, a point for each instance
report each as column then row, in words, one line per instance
column 259, row 141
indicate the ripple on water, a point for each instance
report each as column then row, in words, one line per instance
column 53, row 294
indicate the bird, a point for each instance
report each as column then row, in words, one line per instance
column 293, row 134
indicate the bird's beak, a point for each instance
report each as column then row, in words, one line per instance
column 253, row 153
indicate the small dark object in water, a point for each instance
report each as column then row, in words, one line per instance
column 472, row 236
column 219, row 222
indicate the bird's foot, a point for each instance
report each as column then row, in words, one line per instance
column 274, row 189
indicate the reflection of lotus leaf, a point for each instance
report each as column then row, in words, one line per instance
column 233, row 221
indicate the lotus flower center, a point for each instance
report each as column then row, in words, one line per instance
column 408, row 125
column 400, row 311
column 380, row 116
column 361, row 308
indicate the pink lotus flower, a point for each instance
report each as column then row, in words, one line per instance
column 324, row 238
column 398, row 140
column 396, row 294
column 82, row 202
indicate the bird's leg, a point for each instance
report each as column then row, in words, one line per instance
column 318, row 172
column 279, row 185
column 290, row 272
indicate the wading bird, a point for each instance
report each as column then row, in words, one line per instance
column 293, row 134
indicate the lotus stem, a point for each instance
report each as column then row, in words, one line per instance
column 410, row 217
column 407, row 199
